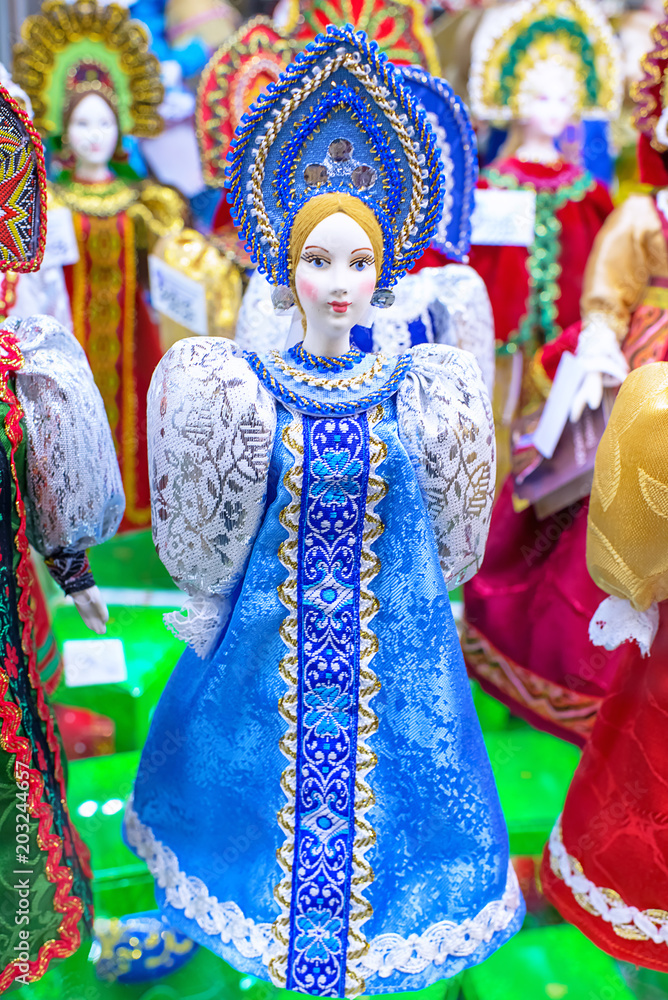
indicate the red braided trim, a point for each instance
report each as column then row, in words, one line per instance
column 70, row 906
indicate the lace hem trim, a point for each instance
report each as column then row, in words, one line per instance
column 387, row 953
column 626, row 921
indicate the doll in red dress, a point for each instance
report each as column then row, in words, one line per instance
column 606, row 865
column 526, row 617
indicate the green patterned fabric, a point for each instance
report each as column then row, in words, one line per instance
column 28, row 918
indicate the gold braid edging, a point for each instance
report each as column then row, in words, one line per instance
column 293, row 440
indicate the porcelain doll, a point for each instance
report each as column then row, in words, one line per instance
column 444, row 305
column 527, row 613
column 539, row 66
column 60, row 491
column 91, row 80
column 605, row 865
column 316, row 504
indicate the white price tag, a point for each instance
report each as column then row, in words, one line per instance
column 94, row 661
column 554, row 417
column 178, row 296
column 61, row 240
column 503, row 218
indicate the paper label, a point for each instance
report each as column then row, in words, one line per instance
column 61, row 240
column 503, row 218
column 94, row 661
column 554, row 417
column 178, row 296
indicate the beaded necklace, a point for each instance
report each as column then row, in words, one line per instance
column 312, row 362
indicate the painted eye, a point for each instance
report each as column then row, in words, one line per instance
column 318, row 261
column 360, row 265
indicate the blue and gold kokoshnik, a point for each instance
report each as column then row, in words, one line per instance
column 339, row 119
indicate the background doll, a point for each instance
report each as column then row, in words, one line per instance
column 527, row 612
column 91, row 80
column 540, row 71
column 604, row 867
column 343, row 493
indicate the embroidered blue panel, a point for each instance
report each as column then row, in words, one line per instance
column 333, row 505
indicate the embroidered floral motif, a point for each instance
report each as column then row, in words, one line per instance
column 329, row 710
column 320, row 935
column 336, row 477
column 334, row 492
column 336, row 470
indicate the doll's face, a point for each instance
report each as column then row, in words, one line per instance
column 92, row 131
column 549, row 98
column 335, row 276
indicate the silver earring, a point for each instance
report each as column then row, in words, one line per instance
column 382, row 298
column 282, row 298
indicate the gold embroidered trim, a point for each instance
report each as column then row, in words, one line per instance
column 322, row 382
column 362, row 873
column 101, row 200
column 293, row 440
column 552, row 702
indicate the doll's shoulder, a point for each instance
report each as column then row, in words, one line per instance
column 444, row 387
column 208, row 374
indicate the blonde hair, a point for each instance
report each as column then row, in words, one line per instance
column 317, row 210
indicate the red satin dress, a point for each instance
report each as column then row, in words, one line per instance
column 615, row 820
column 527, row 611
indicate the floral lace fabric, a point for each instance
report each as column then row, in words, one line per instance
column 74, row 491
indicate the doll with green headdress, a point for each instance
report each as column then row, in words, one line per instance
column 92, row 81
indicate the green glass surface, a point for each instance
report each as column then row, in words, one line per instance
column 204, row 977
column 151, row 652
column 493, row 715
column 551, row 963
column 129, row 560
column 533, row 771
column 97, row 790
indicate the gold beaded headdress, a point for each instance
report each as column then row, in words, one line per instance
column 512, row 39
column 82, row 47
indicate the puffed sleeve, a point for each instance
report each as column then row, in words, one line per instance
column 627, row 530
column 627, row 537
column 628, row 250
column 446, row 425
column 74, row 491
column 463, row 314
column 211, row 427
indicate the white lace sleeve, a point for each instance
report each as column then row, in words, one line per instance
column 259, row 328
column 43, row 291
column 446, row 425
column 74, row 490
column 462, row 314
column 211, row 427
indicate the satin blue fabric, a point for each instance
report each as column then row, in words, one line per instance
column 441, row 850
